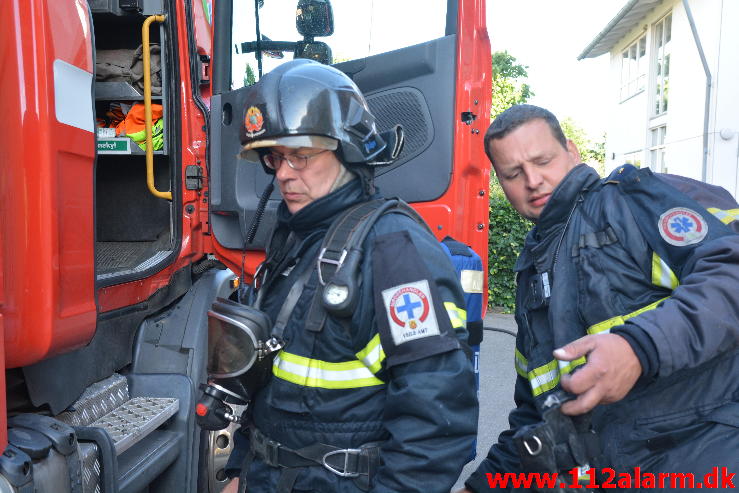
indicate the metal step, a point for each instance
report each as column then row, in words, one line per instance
column 135, row 419
column 90, row 467
column 146, row 460
column 106, row 404
column 96, row 401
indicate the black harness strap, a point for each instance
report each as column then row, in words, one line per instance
column 342, row 247
column 358, row 464
column 289, row 304
column 333, row 252
column 339, row 237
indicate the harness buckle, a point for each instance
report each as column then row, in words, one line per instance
column 272, row 452
column 536, row 450
column 272, row 345
column 258, row 276
column 321, row 260
column 344, row 472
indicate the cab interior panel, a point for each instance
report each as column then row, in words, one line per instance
column 132, row 225
column 134, row 229
column 411, row 87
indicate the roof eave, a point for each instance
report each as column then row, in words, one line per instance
column 603, row 43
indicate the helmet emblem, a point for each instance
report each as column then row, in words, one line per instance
column 253, row 122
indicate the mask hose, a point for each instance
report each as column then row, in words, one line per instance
column 258, row 213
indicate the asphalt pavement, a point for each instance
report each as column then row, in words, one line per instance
column 497, row 377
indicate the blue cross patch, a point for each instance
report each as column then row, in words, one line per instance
column 410, row 311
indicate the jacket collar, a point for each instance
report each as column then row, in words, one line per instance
column 319, row 214
column 581, row 178
column 539, row 242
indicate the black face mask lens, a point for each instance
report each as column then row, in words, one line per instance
column 236, row 334
column 231, row 347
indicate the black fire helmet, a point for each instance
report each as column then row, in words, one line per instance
column 303, row 103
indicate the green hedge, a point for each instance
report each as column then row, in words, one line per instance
column 505, row 240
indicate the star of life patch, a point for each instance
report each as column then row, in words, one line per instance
column 410, row 311
column 681, row 226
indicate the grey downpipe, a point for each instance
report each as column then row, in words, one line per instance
column 707, row 109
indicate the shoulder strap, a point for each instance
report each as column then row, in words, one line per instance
column 342, row 251
column 289, row 304
column 280, row 244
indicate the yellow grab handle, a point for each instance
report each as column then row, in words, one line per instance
column 147, row 107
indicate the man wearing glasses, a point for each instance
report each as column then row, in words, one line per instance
column 374, row 395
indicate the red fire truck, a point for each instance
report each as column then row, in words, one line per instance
column 125, row 207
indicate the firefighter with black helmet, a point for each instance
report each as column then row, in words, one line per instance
column 373, row 389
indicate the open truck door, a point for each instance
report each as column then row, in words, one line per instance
column 437, row 88
column 104, row 282
column 47, row 179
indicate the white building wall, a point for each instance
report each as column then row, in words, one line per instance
column 684, row 117
column 630, row 121
column 724, row 160
column 625, row 130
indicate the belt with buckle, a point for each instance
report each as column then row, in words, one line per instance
column 355, row 463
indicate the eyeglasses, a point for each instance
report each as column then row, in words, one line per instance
column 274, row 160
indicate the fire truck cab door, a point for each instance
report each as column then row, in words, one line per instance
column 46, row 178
column 413, row 86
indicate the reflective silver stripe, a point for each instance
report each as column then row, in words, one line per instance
column 604, row 327
column 471, row 281
column 316, row 373
column 544, row 378
column 725, row 216
column 662, row 275
column 372, row 355
column 521, row 364
column 73, row 96
column 568, row 366
column 457, row 316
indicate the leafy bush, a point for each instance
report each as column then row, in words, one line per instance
column 505, row 241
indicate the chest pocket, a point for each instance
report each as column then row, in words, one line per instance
column 600, row 261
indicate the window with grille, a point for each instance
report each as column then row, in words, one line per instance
column 633, row 68
column 662, row 38
column 657, row 136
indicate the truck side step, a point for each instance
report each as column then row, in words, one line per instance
column 142, row 450
column 96, row 401
column 146, row 460
column 106, row 404
column 129, row 423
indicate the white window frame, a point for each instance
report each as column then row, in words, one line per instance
column 661, row 58
column 633, row 68
column 658, row 148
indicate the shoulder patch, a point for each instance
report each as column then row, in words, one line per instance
column 681, row 226
column 410, row 311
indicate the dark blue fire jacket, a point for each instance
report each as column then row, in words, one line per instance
column 635, row 256
column 394, row 373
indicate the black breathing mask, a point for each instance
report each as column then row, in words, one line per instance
column 240, row 352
